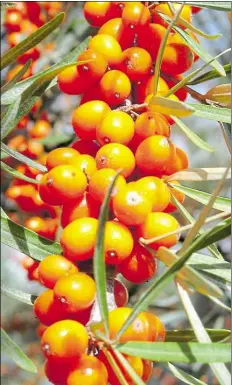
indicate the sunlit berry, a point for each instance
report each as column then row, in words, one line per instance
column 136, row 63
column 155, row 190
column 40, row 130
column 116, row 127
column 185, row 14
column 118, row 242
column 115, row 87
column 151, row 123
column 86, row 147
column 150, row 38
column 177, row 59
column 96, row 12
column 52, row 268
column 120, row 294
column 61, row 156
column 95, row 68
column 108, row 46
column 47, row 309
column 179, row 162
column 100, row 182
column 177, row 194
column 89, row 370
column 135, row 15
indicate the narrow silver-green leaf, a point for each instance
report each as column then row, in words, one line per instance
column 185, row 377
column 9, row 116
column 16, row 78
column 213, row 74
column 168, row 106
column 211, row 112
column 210, row 266
column 10, row 348
column 17, row 174
column 18, row 295
column 215, row 234
column 214, row 5
column 188, row 335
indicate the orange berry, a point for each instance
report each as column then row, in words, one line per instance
column 136, row 63
column 177, row 58
column 40, row 130
column 179, row 162
column 157, row 329
column 86, row 147
column 32, row 54
column 46, row 309
column 53, row 268
column 135, row 15
column 71, row 82
column 96, row 12
column 185, row 14
column 12, row 21
column 85, row 206
column 95, row 68
column 78, row 239
column 61, row 184
column 108, row 46
column 151, row 123
column 72, row 293
column 116, row 8
column 36, row 224
column 23, row 123
column 147, row 370
column 118, row 242
column 120, row 294
column 89, row 371
column 115, row 87
column 86, row 164
column 150, row 38
column 31, row 148
column 56, row 372
column 157, row 224
column 155, row 190
column 177, row 194
column 130, row 206
column 146, row 87
column 100, row 182
column 139, row 267
column 64, row 341
column 61, row 156
column 116, row 156
column 154, row 154
column 113, row 27
column 116, row 127
column 87, row 117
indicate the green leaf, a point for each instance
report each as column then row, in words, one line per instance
column 10, row 348
column 199, row 174
column 22, row 158
column 170, row 107
column 11, row 95
column 52, row 141
column 17, row 174
column 220, row 203
column 115, row 367
column 185, row 377
column 31, row 41
column 188, row 335
column 192, row 136
column 177, row 352
column 10, row 116
column 214, row 5
column 99, row 267
column 19, row 295
column 26, row 241
column 211, row 112
column 17, row 77
column 213, row 74
column 208, row 265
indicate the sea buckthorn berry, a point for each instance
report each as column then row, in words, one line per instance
column 56, row 372
column 155, row 190
column 96, row 12
column 100, row 182
column 22, row 124
column 139, row 267
column 85, row 206
column 135, row 15
column 118, row 242
column 40, row 130
column 47, row 309
column 78, row 239
column 185, row 14
column 147, row 370
column 64, row 341
column 130, row 206
column 12, row 21
column 179, row 162
column 116, row 156
column 33, row 10
column 146, row 87
column 38, row 225
column 95, row 68
column 162, row 109
column 61, row 156
column 87, row 118
column 86, row 164
column 177, row 58
column 32, row 54
column 115, row 87
column 150, row 38
column 86, row 147
column 61, row 184
column 115, row 28
column 53, row 268
column 91, row 94
column 177, row 194
column 120, row 294
column 151, row 123
column 116, row 127
column 116, row 8
column 70, row 82
column 89, row 371
column 157, row 224
column 108, row 46
column 31, row 148
column 157, row 329
column 136, row 63
column 153, row 154
column 75, row 292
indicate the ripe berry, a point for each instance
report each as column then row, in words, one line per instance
column 157, row 224
column 108, row 47
column 131, row 207
column 151, row 123
column 87, row 118
column 31, row 148
column 135, row 15
column 177, row 58
column 115, row 28
column 147, row 370
column 100, row 182
column 120, row 294
column 185, row 14
column 181, row 93
column 177, row 194
column 47, row 309
column 139, row 267
column 115, row 87
column 61, row 156
column 56, row 372
column 86, row 164
column 155, row 190
column 95, row 68
column 64, row 340
column 118, row 243
column 157, row 329
column 96, row 12
column 75, row 292
column 85, row 147
column 40, row 130
column 70, row 82
column 150, row 38
column 116, row 127
column 53, row 268
column 89, row 371
column 136, row 63
column 179, row 162
column 78, row 239
column 116, row 156
column 146, row 87
column 38, row 225
column 12, row 21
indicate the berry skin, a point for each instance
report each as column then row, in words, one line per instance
column 115, row 27
column 157, row 329
column 52, row 268
column 64, row 341
column 89, row 371
column 120, row 294
column 154, row 154
column 70, row 82
column 100, row 182
column 38, row 225
column 179, row 162
column 61, row 184
column 147, row 370
column 93, row 70
column 135, row 15
column 131, row 207
column 139, row 267
column 150, row 38
column 70, row 291
column 151, row 123
column 47, row 309
column 40, row 130
column 116, row 127
column 155, row 190
column 87, row 117
column 157, row 224
column 136, row 63
column 56, row 372
column 96, row 12
column 116, row 156
column 78, row 239
column 145, row 88
column 31, row 148
column 85, row 147
column 177, row 194
column 115, row 87
column 61, row 156
column 177, row 58
column 86, row 164
column 118, row 243
column 108, row 47
column 85, row 206
column 185, row 14
column 41, row 329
